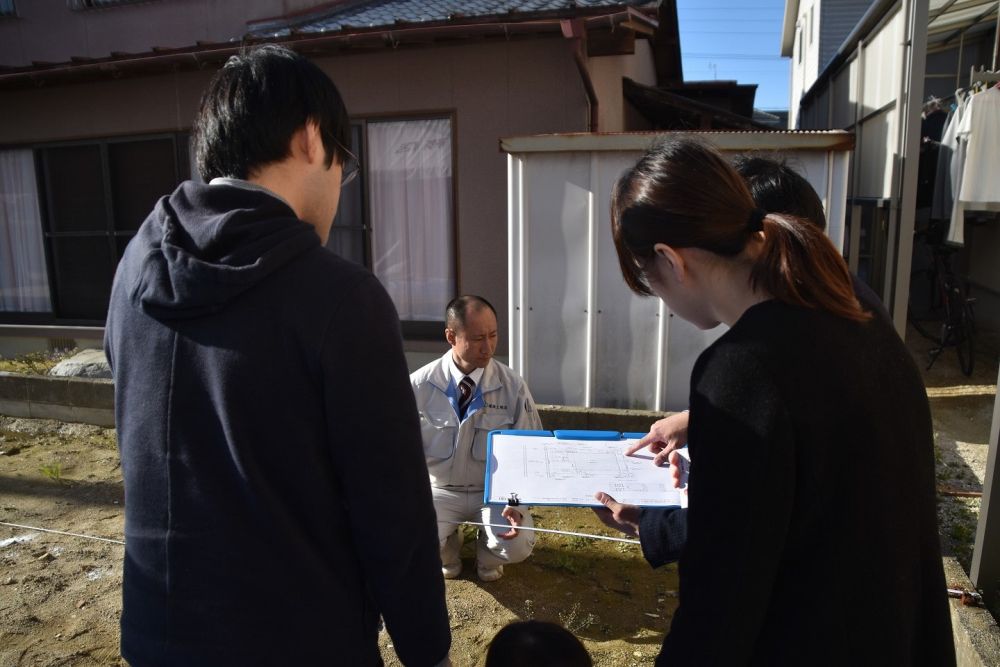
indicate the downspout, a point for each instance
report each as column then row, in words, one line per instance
column 574, row 31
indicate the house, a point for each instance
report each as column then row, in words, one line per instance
column 812, row 31
column 896, row 56
column 97, row 99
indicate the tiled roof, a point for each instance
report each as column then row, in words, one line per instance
column 378, row 13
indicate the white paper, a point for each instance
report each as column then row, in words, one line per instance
column 547, row 470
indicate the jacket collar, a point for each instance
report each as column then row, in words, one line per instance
column 440, row 377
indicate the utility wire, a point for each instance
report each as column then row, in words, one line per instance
column 464, row 523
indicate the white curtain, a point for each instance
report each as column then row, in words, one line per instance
column 24, row 283
column 410, row 195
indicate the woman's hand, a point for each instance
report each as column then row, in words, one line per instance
column 664, row 436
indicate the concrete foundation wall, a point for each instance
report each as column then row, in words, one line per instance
column 65, row 399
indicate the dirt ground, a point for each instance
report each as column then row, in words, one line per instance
column 60, row 595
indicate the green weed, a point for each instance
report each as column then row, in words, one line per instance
column 53, row 471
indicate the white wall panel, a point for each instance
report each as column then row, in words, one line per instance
column 578, row 335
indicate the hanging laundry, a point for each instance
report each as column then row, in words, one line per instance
column 978, row 136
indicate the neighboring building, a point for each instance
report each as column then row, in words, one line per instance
column 812, row 32
column 675, row 104
column 97, row 99
column 897, row 54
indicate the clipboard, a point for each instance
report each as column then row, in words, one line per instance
column 566, row 468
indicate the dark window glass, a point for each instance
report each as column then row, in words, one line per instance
column 348, row 236
column 75, row 179
column 140, row 172
column 347, row 243
column 84, row 270
column 97, row 195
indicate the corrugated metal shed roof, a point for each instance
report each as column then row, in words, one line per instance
column 380, row 13
column 949, row 20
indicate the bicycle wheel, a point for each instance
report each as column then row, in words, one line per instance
column 965, row 340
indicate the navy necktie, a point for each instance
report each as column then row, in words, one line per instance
column 465, row 390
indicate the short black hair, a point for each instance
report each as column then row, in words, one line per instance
column 253, row 106
column 536, row 644
column 777, row 188
column 454, row 313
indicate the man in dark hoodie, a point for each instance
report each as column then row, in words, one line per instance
column 276, row 494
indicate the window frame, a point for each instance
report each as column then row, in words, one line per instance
column 412, row 329
column 180, row 141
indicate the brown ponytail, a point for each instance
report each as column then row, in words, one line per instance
column 684, row 194
column 799, row 265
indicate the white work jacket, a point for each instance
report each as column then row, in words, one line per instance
column 456, row 450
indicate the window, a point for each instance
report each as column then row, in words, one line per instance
column 398, row 217
column 98, row 4
column 66, row 214
column 812, row 25
column 24, row 281
column 7, row 8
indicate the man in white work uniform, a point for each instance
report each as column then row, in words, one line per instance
column 461, row 398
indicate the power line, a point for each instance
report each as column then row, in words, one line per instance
column 730, row 32
column 717, row 20
column 755, row 8
column 733, row 56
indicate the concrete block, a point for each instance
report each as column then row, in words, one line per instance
column 977, row 637
column 13, row 387
column 14, row 408
column 70, row 413
column 43, row 389
column 90, row 393
column 597, row 419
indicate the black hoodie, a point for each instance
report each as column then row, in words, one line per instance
column 276, row 494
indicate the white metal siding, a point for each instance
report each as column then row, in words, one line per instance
column 577, row 334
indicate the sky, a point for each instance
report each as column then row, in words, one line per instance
column 736, row 39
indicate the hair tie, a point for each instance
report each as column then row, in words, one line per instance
column 756, row 221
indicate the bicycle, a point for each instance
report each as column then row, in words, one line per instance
column 948, row 296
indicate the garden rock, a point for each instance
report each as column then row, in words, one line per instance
column 88, row 364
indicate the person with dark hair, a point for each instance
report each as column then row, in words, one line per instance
column 253, row 370
column 807, row 398
column 775, row 188
column 461, row 398
column 536, row 644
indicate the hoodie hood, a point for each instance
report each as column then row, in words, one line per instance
column 204, row 245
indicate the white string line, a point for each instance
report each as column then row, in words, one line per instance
column 60, row 532
column 457, row 523
column 547, row 530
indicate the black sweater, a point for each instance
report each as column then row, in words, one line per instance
column 835, row 558
column 276, row 495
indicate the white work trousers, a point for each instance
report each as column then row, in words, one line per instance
column 453, row 507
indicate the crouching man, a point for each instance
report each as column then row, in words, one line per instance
column 461, row 398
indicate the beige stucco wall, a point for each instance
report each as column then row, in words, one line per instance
column 606, row 72
column 496, row 89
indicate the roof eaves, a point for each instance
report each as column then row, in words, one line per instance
column 203, row 53
column 788, row 27
column 331, row 24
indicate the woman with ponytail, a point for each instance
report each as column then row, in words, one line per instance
column 811, row 536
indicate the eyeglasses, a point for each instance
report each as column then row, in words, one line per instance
column 350, row 167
